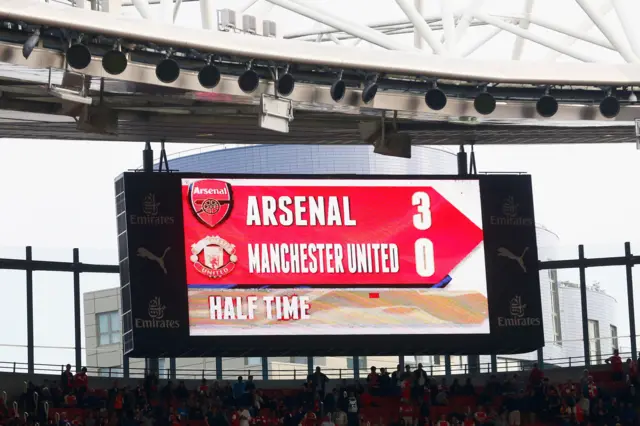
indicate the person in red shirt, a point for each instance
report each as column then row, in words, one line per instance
column 616, row 366
column 203, row 388
column 81, row 385
column 406, row 411
column 443, row 421
column 536, row 376
column 480, row 415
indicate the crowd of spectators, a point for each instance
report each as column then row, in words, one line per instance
column 404, row 397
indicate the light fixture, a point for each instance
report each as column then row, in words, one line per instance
column 370, row 90
column 78, row 56
column 435, row 98
column 115, row 61
column 547, row 106
column 31, row 43
column 484, row 103
column 209, row 75
column 285, row 83
column 249, row 80
column 609, row 107
column 168, row 69
column 632, row 97
column 338, row 89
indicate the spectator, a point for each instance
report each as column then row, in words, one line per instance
column 66, row 381
column 373, row 382
column 616, row 366
column 385, row 382
column 468, row 389
column 318, row 380
column 536, row 376
column 81, row 385
column 353, row 418
column 396, row 377
column 455, row 388
column 239, row 388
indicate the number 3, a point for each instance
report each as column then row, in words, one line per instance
column 422, row 219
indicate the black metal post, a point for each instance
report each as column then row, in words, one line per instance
column 309, row 364
column 632, row 311
column 76, row 308
column 125, row 366
column 147, row 157
column 219, row 367
column 462, row 162
column 494, row 363
column 540, row 359
column 265, row 368
column 583, row 305
column 356, row 367
column 447, row 365
column 30, row 329
column 172, row 368
column 473, row 361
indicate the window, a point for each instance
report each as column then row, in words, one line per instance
column 436, row 360
column 252, row 360
column 298, row 360
column 110, row 372
column 595, row 351
column 614, row 338
column 361, row 359
column 108, row 328
column 555, row 307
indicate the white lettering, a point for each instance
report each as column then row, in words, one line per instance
column 299, row 211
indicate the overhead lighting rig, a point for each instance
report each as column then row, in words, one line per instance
column 118, row 55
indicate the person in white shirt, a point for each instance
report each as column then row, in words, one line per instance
column 245, row 417
column 352, row 410
column 327, row 422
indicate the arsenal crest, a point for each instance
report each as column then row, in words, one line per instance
column 210, row 201
column 214, row 257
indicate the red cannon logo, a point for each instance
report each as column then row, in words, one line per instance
column 211, row 201
column 213, row 257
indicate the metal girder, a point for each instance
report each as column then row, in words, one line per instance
column 315, row 97
column 340, row 57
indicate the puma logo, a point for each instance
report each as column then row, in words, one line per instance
column 503, row 252
column 146, row 254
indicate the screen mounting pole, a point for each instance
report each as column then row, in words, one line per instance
column 147, row 157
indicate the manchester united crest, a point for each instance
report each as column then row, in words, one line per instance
column 214, row 257
column 211, row 201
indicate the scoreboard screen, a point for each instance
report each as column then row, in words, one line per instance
column 313, row 257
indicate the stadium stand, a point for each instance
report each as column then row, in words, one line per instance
column 408, row 397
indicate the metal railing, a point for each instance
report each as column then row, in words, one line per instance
column 504, row 366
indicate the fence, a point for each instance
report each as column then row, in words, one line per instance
column 589, row 346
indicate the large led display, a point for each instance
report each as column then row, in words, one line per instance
column 313, row 257
column 265, row 265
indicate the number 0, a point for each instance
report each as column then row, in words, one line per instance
column 425, row 259
column 422, row 219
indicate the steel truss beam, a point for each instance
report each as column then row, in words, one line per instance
column 338, row 57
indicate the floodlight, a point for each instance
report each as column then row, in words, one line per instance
column 167, row 70
column 609, row 107
column 249, row 81
column 209, row 76
column 484, row 103
column 31, row 43
column 78, row 56
column 338, row 90
column 285, row 84
column 435, row 99
column 547, row 106
column 370, row 90
column 114, row 61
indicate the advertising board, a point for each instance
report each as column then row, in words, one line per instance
column 273, row 259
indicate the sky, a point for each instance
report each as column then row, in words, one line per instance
column 59, row 194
